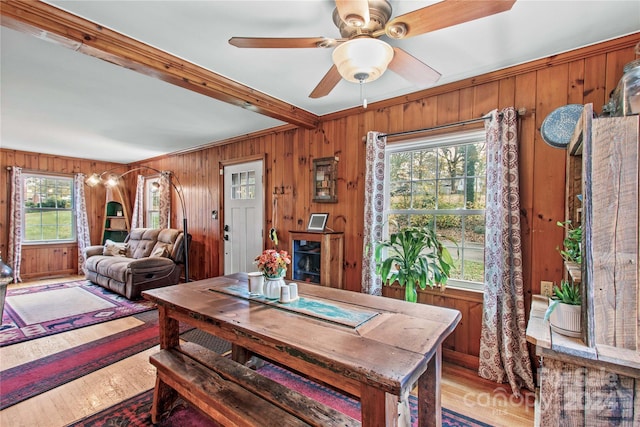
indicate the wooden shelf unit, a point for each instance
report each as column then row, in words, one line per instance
column 116, row 224
column 597, row 378
column 324, row 180
column 317, row 257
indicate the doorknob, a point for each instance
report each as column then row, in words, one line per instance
column 226, row 237
column 226, row 227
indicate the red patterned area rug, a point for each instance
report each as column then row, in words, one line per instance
column 134, row 412
column 38, row 311
column 30, row 379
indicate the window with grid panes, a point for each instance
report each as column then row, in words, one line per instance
column 48, row 209
column 440, row 182
column 152, row 202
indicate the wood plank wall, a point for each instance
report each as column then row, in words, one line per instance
column 582, row 76
column 39, row 261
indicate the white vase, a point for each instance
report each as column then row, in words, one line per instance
column 272, row 287
column 566, row 319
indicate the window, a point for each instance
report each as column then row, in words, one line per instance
column 48, row 209
column 152, row 202
column 243, row 185
column 440, row 182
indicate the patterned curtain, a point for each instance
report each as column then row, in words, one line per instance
column 373, row 211
column 82, row 223
column 14, row 257
column 503, row 346
column 137, row 218
column 165, row 199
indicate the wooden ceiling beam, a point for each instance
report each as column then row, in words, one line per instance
column 58, row 26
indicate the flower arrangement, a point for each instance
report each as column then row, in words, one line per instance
column 273, row 263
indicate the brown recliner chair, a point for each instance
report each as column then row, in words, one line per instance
column 149, row 258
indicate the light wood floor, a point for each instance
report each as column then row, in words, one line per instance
column 462, row 390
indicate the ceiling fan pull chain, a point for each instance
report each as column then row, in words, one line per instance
column 361, row 78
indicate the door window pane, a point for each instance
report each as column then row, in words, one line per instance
column 243, row 185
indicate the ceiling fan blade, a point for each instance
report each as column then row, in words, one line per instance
column 412, row 69
column 446, row 14
column 272, row 42
column 353, row 12
column 328, row 82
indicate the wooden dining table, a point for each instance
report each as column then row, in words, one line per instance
column 375, row 348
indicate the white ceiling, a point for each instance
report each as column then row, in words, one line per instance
column 58, row 101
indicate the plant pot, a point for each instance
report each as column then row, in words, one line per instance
column 566, row 319
column 272, row 287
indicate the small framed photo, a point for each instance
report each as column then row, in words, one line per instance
column 317, row 221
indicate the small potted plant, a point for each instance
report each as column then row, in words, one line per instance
column 413, row 256
column 565, row 311
column 572, row 243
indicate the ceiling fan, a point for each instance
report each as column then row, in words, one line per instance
column 360, row 56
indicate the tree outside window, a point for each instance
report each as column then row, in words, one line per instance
column 48, row 209
column 440, row 183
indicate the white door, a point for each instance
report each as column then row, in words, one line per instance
column 243, row 216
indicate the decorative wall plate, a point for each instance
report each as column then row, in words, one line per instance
column 557, row 128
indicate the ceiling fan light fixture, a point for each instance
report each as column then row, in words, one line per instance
column 362, row 56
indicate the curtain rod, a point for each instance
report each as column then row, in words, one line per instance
column 520, row 112
column 40, row 172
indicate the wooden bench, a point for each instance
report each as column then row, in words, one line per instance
column 231, row 393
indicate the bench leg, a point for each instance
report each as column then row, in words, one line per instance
column 163, row 398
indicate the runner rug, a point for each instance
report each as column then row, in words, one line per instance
column 135, row 412
column 38, row 311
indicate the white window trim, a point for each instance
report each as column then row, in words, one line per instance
column 458, row 138
column 148, row 182
column 74, row 237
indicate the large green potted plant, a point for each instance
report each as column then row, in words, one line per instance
column 413, row 256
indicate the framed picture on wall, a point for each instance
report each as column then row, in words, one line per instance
column 317, row 221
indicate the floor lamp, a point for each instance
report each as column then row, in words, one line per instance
column 113, row 179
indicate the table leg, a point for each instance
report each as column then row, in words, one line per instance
column 429, row 403
column 373, row 403
column 169, row 329
column 163, row 395
column 245, row 357
column 240, row 354
column 398, row 412
column 402, row 409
